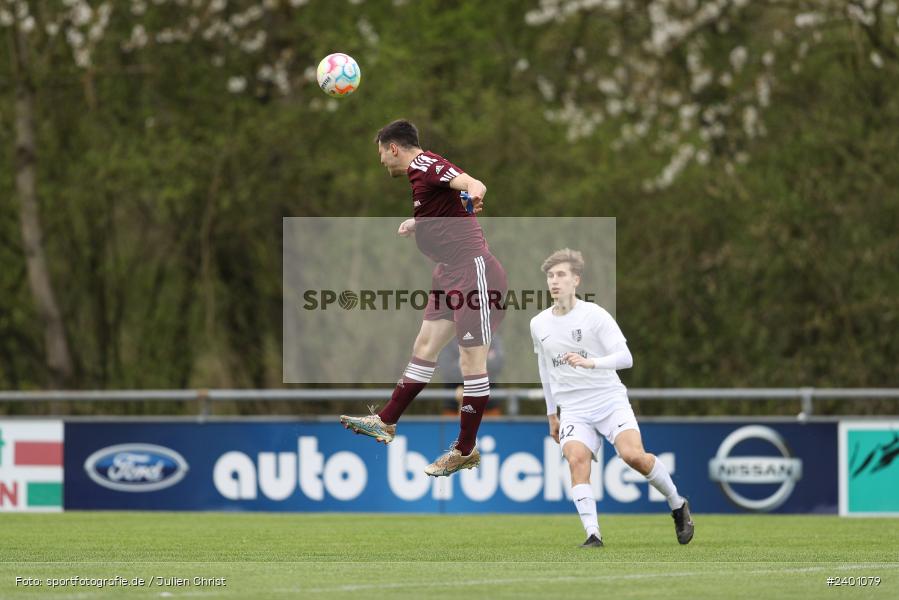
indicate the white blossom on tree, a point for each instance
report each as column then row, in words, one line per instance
column 692, row 78
column 248, row 41
column 238, row 37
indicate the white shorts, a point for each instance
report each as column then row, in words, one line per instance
column 581, row 429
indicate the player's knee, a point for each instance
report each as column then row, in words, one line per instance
column 635, row 458
column 472, row 360
column 578, row 462
column 424, row 346
column 420, row 346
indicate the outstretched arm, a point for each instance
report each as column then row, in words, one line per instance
column 475, row 189
column 406, row 228
column 619, row 358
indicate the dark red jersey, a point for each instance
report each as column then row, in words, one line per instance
column 444, row 231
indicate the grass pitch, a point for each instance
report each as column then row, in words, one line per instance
column 445, row 556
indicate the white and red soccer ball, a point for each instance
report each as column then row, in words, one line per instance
column 338, row 75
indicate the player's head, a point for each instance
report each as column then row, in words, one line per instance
column 563, row 270
column 397, row 146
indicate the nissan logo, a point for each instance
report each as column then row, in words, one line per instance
column 756, row 470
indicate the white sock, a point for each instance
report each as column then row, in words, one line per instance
column 660, row 479
column 419, row 370
column 582, row 495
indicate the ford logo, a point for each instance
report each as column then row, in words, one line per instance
column 136, row 467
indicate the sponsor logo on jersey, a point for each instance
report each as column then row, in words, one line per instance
column 559, row 359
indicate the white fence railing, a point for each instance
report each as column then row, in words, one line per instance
column 511, row 396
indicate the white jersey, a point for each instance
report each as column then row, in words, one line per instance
column 589, row 330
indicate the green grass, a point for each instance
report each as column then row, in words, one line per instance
column 483, row 556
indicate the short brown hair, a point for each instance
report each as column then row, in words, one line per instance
column 402, row 132
column 572, row 257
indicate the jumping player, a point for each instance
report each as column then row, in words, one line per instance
column 579, row 347
column 467, row 286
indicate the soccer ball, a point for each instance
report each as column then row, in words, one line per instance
column 338, row 75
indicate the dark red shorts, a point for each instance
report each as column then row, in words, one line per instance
column 472, row 295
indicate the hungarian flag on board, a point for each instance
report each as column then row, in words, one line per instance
column 31, row 465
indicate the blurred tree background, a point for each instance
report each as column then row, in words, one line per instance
column 747, row 149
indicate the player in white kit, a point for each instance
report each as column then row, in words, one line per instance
column 579, row 347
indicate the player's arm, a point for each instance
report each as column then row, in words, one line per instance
column 477, row 190
column 406, row 228
column 551, row 409
column 619, row 358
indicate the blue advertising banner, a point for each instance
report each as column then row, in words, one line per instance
column 300, row 466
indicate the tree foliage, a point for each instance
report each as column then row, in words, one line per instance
column 746, row 148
